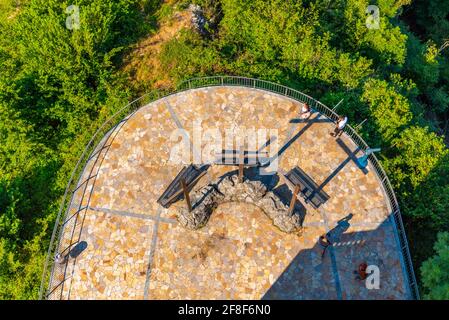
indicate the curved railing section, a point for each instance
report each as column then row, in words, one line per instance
column 76, row 197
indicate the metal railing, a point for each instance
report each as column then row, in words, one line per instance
column 54, row 282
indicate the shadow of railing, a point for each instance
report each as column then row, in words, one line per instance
column 312, row 275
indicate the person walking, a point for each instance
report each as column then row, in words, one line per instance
column 324, row 242
column 341, row 123
column 361, row 272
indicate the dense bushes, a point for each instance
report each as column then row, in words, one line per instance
column 56, row 85
column 434, row 271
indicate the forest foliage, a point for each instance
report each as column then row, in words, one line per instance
column 434, row 270
column 57, row 85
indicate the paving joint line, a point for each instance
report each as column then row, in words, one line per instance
column 127, row 214
column 178, row 123
column 151, row 254
column 290, row 131
column 333, row 260
column 132, row 214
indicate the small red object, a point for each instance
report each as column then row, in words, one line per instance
column 362, row 270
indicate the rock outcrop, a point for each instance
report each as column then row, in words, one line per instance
column 208, row 198
column 199, row 21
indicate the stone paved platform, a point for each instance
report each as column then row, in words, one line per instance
column 137, row 250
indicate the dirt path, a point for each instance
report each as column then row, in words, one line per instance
column 143, row 63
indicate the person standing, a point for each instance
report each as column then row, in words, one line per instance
column 60, row 259
column 305, row 112
column 324, row 242
column 341, row 123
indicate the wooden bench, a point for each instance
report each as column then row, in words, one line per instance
column 241, row 158
column 191, row 175
column 309, row 190
column 245, row 157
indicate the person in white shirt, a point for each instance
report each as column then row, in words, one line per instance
column 305, row 112
column 60, row 259
column 341, row 123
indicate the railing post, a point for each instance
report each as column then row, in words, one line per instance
column 293, row 200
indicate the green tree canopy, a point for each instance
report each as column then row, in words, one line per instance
column 434, row 271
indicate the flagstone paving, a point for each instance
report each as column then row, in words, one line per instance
column 137, row 250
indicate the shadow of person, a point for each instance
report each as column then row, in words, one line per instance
column 309, row 277
column 342, row 226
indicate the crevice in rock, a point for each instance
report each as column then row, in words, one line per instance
column 228, row 189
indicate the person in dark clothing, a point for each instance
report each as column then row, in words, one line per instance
column 324, row 242
column 361, row 272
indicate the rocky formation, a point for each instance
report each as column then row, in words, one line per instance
column 199, row 21
column 206, row 199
